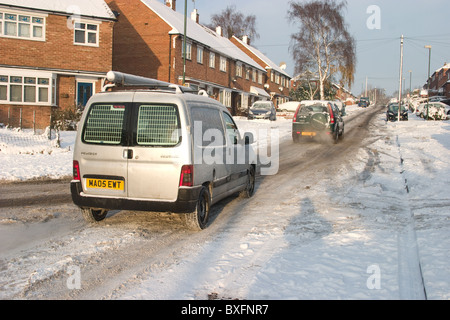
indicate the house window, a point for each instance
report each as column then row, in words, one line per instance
column 212, row 60
column 260, row 77
column 26, row 89
column 225, row 98
column 22, row 26
column 247, row 73
column 188, row 50
column 223, row 64
column 254, row 75
column 86, row 34
column 199, row 54
column 239, row 69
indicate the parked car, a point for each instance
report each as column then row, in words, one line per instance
column 263, row 110
column 445, row 108
column 145, row 150
column 446, row 101
column 392, row 112
column 290, row 106
column 437, row 98
column 317, row 119
column 420, row 108
column 436, row 111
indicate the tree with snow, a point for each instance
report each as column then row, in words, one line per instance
column 322, row 44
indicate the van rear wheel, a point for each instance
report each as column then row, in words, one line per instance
column 198, row 219
column 93, row 215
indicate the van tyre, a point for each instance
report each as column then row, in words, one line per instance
column 198, row 219
column 92, row 215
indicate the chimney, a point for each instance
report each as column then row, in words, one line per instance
column 219, row 31
column 195, row 16
column 246, row 40
column 172, row 4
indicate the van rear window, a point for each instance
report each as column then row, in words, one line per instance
column 104, row 124
column 158, row 125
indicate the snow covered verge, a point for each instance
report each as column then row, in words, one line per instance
column 381, row 230
column 26, row 156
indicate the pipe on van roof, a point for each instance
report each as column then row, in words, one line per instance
column 132, row 80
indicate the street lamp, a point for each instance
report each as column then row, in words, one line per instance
column 429, row 66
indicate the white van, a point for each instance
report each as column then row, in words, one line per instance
column 158, row 148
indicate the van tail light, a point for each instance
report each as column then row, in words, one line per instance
column 76, row 170
column 187, row 176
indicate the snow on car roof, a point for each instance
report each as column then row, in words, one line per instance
column 199, row 33
column 86, row 8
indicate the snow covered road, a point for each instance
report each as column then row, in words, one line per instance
column 364, row 219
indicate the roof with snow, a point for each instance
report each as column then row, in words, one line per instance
column 263, row 57
column 199, row 33
column 84, row 8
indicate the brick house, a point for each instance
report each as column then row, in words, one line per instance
column 53, row 55
column 148, row 41
column 343, row 94
column 276, row 80
column 440, row 82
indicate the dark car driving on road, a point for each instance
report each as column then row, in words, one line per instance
column 317, row 119
column 364, row 102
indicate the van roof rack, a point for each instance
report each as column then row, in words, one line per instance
column 120, row 79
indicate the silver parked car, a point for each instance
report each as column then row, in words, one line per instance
column 158, row 148
column 263, row 110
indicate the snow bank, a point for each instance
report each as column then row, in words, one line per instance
column 26, row 156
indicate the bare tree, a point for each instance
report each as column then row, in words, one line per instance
column 322, row 44
column 235, row 23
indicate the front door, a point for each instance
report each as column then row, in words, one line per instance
column 84, row 93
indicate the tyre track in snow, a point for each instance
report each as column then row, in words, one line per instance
column 20, row 194
column 411, row 281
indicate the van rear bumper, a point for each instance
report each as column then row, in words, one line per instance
column 186, row 202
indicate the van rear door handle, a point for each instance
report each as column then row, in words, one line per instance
column 128, row 154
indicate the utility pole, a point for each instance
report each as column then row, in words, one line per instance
column 429, row 66
column 410, row 83
column 365, row 94
column 184, row 44
column 401, row 79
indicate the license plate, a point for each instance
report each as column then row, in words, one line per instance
column 93, row 183
column 310, row 134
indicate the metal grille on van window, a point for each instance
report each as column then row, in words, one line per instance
column 157, row 126
column 104, row 124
